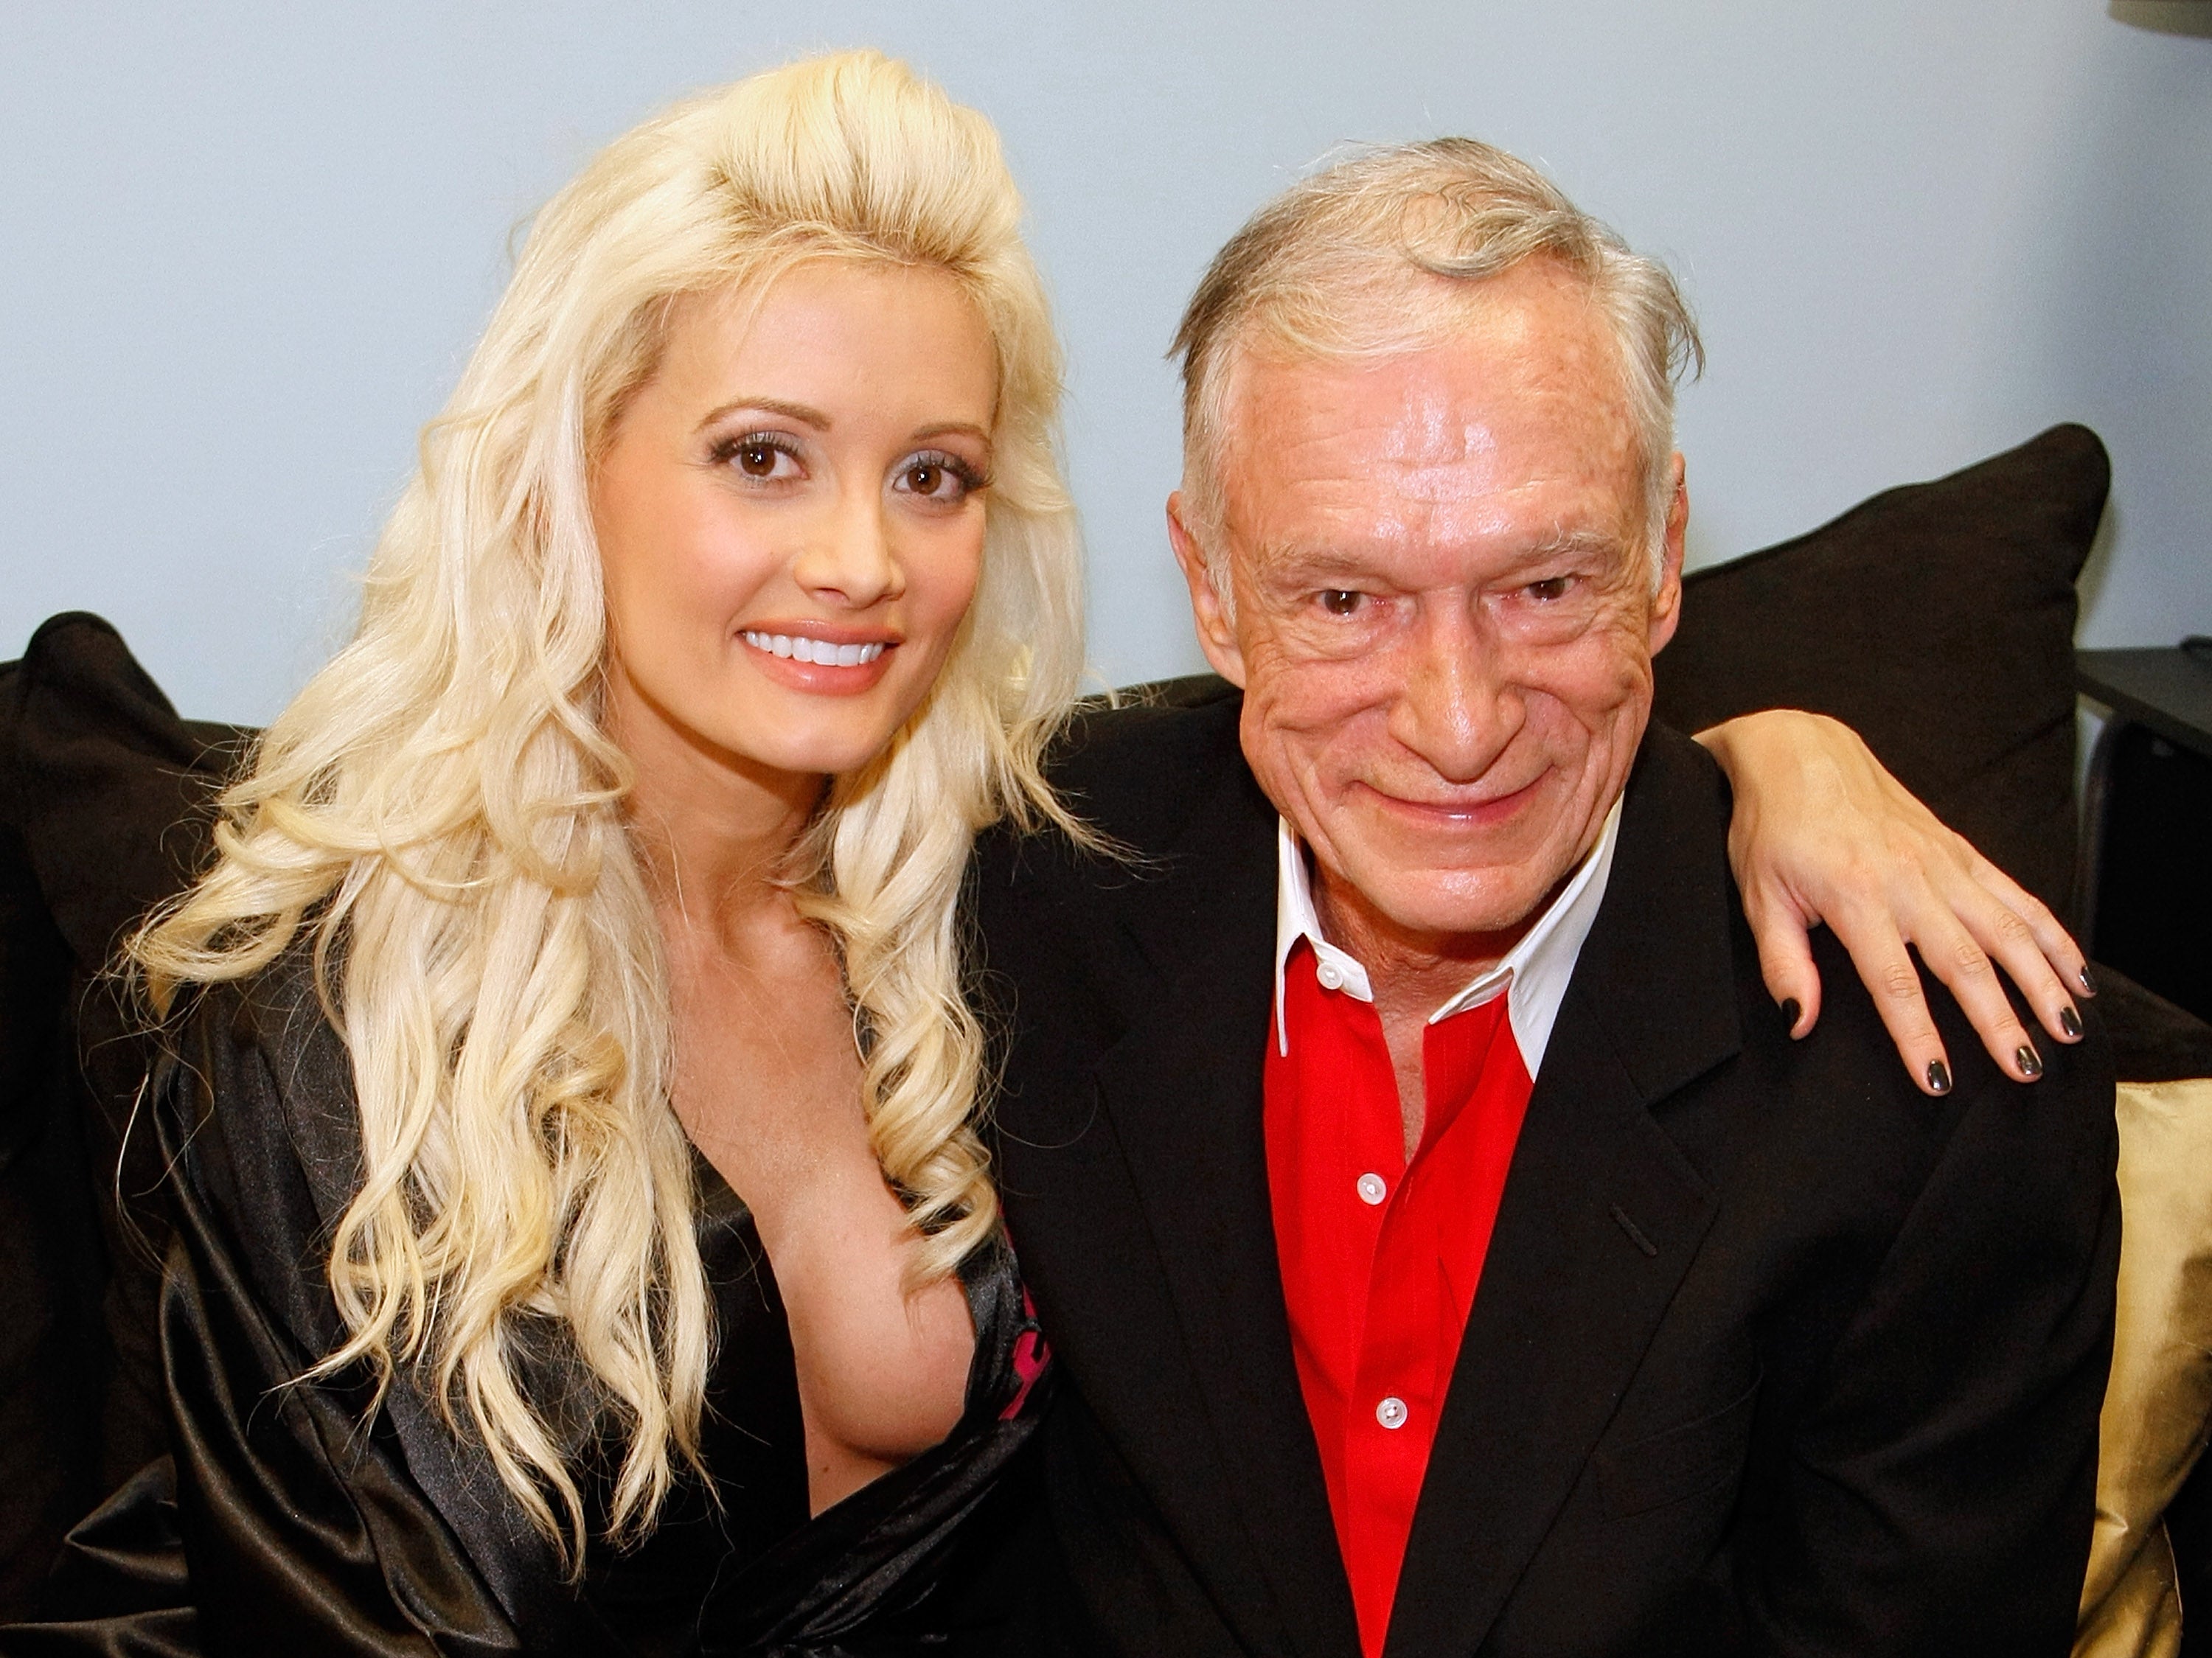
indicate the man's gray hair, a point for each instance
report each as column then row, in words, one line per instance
column 1339, row 266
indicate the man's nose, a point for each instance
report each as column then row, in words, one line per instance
column 849, row 559
column 1456, row 707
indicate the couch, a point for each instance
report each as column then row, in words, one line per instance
column 1937, row 619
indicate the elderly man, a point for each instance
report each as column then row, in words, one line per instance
column 1447, row 1247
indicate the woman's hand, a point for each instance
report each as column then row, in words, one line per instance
column 1822, row 833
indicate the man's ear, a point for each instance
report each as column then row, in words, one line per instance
column 1216, row 636
column 1667, row 603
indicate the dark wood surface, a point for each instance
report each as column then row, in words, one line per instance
column 2164, row 687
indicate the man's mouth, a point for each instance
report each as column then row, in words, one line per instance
column 799, row 647
column 1463, row 813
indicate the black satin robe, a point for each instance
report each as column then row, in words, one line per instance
column 298, row 1517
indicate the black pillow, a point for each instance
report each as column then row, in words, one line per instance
column 1936, row 620
column 105, row 797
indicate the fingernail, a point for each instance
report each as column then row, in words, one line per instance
column 1790, row 1013
column 2029, row 1061
column 2088, row 984
column 2070, row 1023
column 1939, row 1077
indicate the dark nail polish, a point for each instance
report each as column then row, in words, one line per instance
column 2029, row 1061
column 2070, row 1023
column 1939, row 1077
column 1791, row 1012
column 2088, row 984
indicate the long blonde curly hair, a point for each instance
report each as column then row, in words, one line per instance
column 442, row 814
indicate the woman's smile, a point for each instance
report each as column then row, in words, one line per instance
column 817, row 661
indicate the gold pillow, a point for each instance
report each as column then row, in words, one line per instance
column 2158, row 1403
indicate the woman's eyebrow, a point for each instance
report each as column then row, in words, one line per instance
column 950, row 428
column 800, row 412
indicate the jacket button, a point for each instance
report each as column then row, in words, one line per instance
column 1391, row 1413
column 1373, row 1189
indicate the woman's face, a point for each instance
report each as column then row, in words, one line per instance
column 790, row 515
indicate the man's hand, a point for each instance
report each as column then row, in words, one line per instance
column 1822, row 833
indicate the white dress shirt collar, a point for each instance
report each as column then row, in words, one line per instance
column 1534, row 974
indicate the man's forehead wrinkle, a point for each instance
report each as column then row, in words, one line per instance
column 1434, row 436
column 1515, row 428
column 1418, row 548
column 1381, row 526
column 1432, row 421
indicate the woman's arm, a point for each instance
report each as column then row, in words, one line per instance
column 1823, row 834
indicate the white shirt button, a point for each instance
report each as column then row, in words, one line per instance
column 1331, row 976
column 1373, row 1188
column 1391, row 1413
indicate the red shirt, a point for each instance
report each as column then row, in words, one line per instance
column 1379, row 1257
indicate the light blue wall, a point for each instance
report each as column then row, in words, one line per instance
column 243, row 247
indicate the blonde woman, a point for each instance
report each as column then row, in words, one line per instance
column 585, row 1238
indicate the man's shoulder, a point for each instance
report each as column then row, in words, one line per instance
column 1138, row 765
column 1157, row 778
column 1690, row 916
column 1673, row 906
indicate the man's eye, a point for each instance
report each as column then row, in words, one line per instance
column 1551, row 588
column 1340, row 601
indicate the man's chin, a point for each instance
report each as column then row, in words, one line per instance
column 1435, row 901
column 1449, row 917
column 1438, row 877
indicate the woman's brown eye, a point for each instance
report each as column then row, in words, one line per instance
column 924, row 478
column 757, row 460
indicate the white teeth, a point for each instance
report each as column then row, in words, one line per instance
column 800, row 648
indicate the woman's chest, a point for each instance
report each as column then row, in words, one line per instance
column 752, row 1442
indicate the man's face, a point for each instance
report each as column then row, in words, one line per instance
column 1444, row 614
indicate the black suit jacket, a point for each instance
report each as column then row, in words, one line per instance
column 1770, row 1353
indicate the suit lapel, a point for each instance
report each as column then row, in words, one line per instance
column 1600, row 1218
column 1183, row 1090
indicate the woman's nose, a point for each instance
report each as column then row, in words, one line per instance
column 848, row 558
